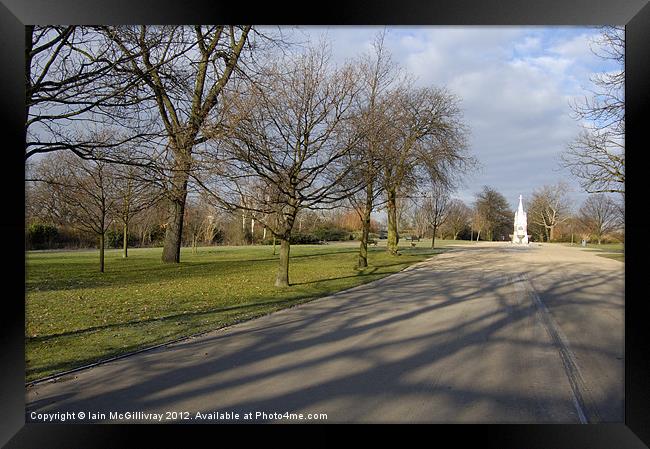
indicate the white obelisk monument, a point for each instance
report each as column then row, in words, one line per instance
column 520, row 234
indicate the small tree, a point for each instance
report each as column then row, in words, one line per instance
column 136, row 191
column 85, row 189
column 458, row 218
column 549, row 207
column 436, row 209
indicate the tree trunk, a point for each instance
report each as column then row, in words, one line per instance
column 101, row 252
column 174, row 230
column 363, row 247
column 478, row 235
column 550, row 233
column 393, row 236
column 365, row 229
column 274, row 245
column 548, row 238
column 433, row 237
column 126, row 240
column 282, row 278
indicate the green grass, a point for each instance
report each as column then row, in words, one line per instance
column 620, row 256
column 606, row 247
column 610, row 250
column 76, row 315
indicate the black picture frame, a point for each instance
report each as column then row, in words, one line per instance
column 635, row 14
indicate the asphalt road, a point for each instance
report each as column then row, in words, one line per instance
column 488, row 333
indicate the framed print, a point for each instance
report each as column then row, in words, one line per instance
column 220, row 224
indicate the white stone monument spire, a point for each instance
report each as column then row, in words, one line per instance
column 520, row 234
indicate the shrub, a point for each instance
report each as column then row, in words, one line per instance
column 356, row 235
column 41, row 236
column 333, row 234
column 115, row 239
column 299, row 238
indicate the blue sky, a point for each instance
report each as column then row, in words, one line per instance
column 515, row 83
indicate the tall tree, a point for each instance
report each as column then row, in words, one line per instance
column 494, row 213
column 597, row 156
column 185, row 71
column 427, row 139
column 378, row 74
column 286, row 147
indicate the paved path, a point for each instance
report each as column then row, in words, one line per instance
column 482, row 333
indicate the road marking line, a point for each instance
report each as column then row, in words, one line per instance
column 579, row 389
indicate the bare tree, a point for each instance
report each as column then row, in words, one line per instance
column 458, row 218
column 597, row 156
column 84, row 189
column 136, row 192
column 287, row 146
column 436, row 209
column 427, row 141
column 70, row 84
column 599, row 215
column 195, row 221
column 413, row 216
column 184, row 70
column 378, row 74
column 550, row 206
column 479, row 222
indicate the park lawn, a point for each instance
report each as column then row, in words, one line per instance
column 607, row 247
column 619, row 256
column 614, row 251
column 76, row 315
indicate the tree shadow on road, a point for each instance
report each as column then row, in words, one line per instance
column 357, row 351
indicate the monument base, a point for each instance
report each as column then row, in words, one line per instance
column 519, row 239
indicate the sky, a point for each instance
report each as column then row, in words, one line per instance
column 515, row 85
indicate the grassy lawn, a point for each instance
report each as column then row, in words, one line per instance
column 611, row 250
column 620, row 256
column 607, row 247
column 76, row 315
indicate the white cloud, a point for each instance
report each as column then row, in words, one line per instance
column 577, row 48
column 528, row 44
column 515, row 84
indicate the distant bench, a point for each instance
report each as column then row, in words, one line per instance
column 413, row 239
